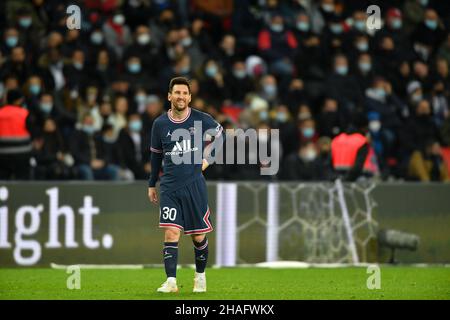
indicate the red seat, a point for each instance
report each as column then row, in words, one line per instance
column 446, row 155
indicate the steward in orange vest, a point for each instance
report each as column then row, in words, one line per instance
column 353, row 156
column 15, row 138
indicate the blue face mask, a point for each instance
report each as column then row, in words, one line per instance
column 308, row 132
column 78, row 65
column 12, row 41
column 303, row 26
column 380, row 93
column 89, row 129
column 134, row 67
column 185, row 70
column 362, row 46
column 336, row 28
column 35, row 89
column 46, row 107
column 97, row 37
column 135, row 125
column 240, row 74
column 264, row 115
column 25, row 22
column 276, row 27
column 365, row 66
column 211, row 71
column 431, row 24
column 109, row 139
column 360, row 25
column 342, row 70
column 282, row 117
column 396, row 24
column 270, row 90
column 140, row 98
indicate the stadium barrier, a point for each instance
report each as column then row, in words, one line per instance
column 114, row 223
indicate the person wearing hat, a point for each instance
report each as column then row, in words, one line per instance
column 15, row 138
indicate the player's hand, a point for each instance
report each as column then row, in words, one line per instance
column 205, row 164
column 153, row 195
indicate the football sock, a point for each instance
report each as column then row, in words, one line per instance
column 201, row 255
column 170, row 253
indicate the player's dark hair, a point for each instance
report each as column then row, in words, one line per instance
column 179, row 80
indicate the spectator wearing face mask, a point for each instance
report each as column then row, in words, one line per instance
column 10, row 40
column 75, row 72
column 212, row 83
column 137, row 76
column 46, row 107
column 381, row 99
column 268, row 89
column 132, row 141
column 117, row 33
column 303, row 165
column 428, row 35
column 415, row 93
column 144, row 47
column 307, row 131
column 310, row 57
column 364, row 73
column 278, row 45
column 238, row 83
column 283, row 121
column 87, row 152
column 342, row 85
column 32, row 89
column 335, row 36
column 427, row 164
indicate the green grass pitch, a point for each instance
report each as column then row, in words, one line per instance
column 230, row 283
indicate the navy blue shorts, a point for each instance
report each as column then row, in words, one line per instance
column 186, row 208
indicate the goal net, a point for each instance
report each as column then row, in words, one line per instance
column 327, row 222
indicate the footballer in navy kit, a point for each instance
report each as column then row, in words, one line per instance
column 183, row 192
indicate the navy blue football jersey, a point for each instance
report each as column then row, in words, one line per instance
column 176, row 175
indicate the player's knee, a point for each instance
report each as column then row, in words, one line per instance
column 198, row 237
column 171, row 235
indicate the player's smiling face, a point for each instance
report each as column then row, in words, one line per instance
column 180, row 97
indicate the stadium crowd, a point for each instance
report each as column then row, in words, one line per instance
column 312, row 69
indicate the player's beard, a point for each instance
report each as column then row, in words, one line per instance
column 180, row 105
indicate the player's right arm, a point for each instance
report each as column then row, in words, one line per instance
column 156, row 157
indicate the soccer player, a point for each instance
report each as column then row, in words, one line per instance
column 183, row 193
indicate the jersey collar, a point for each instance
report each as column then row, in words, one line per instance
column 178, row 121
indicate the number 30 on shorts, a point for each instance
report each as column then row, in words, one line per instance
column 169, row 213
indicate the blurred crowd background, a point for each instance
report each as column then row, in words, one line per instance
column 311, row 69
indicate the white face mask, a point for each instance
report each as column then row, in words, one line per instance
column 144, row 39
column 374, row 125
column 119, row 19
column 309, row 155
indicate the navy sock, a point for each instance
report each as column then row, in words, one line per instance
column 170, row 253
column 201, row 255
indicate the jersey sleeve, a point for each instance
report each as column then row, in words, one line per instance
column 211, row 126
column 156, row 144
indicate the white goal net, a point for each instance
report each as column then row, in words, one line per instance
column 329, row 222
